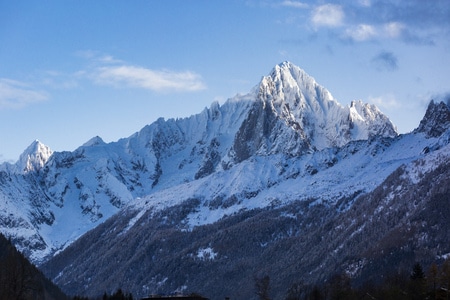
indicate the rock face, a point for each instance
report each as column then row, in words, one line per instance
column 436, row 120
column 293, row 115
column 51, row 198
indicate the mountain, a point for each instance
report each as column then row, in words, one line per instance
column 49, row 199
column 369, row 209
column 294, row 115
column 282, row 181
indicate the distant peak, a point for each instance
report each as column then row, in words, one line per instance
column 36, row 147
column 34, row 157
column 36, row 143
column 96, row 140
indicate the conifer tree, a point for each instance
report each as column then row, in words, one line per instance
column 445, row 278
column 417, row 282
column 432, row 280
column 262, row 287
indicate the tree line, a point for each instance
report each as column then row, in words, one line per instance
column 118, row 295
column 419, row 284
column 21, row 280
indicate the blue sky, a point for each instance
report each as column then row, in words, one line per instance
column 72, row 70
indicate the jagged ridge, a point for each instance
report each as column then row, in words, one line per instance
column 436, row 120
column 64, row 194
column 369, row 209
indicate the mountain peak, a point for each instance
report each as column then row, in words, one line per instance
column 287, row 65
column 34, row 157
column 436, row 120
column 96, row 140
column 292, row 75
column 319, row 121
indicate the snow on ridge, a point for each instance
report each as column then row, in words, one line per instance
column 275, row 181
column 422, row 166
column 94, row 142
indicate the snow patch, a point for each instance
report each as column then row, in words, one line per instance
column 206, row 254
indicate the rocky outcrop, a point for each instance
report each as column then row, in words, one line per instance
column 436, row 120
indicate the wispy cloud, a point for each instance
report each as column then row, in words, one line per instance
column 393, row 29
column 387, row 101
column 15, row 94
column 365, row 3
column 101, row 69
column 414, row 22
column 59, row 80
column 385, row 61
column 361, row 32
column 96, row 56
column 140, row 77
column 295, row 4
column 384, row 31
column 327, row 15
column 105, row 69
column 445, row 97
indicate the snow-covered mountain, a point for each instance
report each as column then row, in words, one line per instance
column 287, row 126
column 282, row 174
column 369, row 209
column 303, row 230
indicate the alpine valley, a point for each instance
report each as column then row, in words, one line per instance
column 282, row 182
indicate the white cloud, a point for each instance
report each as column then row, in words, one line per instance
column 393, row 29
column 108, row 59
column 365, row 32
column 105, row 69
column 361, row 32
column 139, row 77
column 59, row 80
column 295, row 4
column 96, row 56
column 365, row 3
column 387, row 101
column 16, row 94
column 328, row 15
